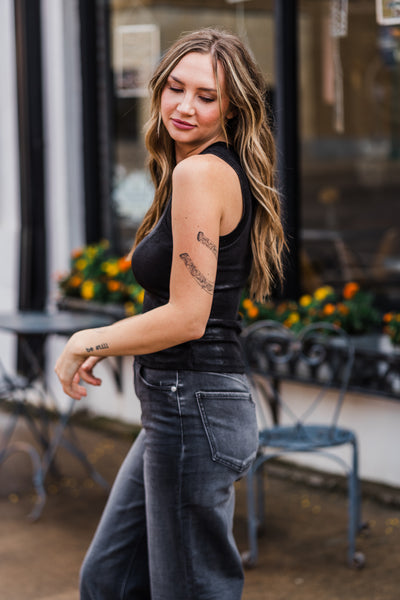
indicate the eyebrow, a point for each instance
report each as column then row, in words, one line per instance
column 204, row 89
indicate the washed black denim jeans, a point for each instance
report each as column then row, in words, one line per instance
column 166, row 532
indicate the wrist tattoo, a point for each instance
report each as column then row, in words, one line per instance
column 207, row 243
column 199, row 278
column 102, row 346
column 89, row 349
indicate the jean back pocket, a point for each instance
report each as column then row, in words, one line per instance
column 229, row 420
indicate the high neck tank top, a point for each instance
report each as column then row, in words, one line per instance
column 219, row 349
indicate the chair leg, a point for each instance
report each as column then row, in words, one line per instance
column 355, row 559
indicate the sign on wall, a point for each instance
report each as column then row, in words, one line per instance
column 136, row 52
column 388, row 12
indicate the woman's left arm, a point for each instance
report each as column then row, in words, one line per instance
column 197, row 207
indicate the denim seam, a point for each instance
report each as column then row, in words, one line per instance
column 179, row 490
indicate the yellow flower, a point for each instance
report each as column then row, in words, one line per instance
column 292, row 318
column 305, row 300
column 87, row 290
column 81, row 264
column 111, row 268
column 129, row 308
column 322, row 292
column 140, row 297
column 91, row 251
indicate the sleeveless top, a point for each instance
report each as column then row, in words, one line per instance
column 219, row 349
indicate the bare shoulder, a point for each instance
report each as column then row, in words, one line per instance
column 207, row 169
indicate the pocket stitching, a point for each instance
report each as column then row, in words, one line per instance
column 236, row 464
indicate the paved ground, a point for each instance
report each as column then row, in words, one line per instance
column 302, row 555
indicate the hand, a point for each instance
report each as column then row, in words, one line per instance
column 72, row 365
column 86, row 370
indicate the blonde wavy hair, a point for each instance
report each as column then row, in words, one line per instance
column 248, row 132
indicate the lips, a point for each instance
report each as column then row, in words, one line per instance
column 182, row 124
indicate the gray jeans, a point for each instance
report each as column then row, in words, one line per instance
column 166, row 532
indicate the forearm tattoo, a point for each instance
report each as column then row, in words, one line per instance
column 103, row 346
column 207, row 243
column 203, row 282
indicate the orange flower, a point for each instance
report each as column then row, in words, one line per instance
column 388, row 317
column 350, row 290
column 113, row 286
column 253, row 312
column 75, row 281
column 343, row 309
column 329, row 309
column 124, row 264
column 77, row 253
column 247, row 303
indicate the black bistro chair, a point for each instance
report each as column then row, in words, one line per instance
column 322, row 354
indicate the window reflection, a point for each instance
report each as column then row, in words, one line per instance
column 351, row 177
column 140, row 31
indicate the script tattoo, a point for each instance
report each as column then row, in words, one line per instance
column 207, row 243
column 102, row 346
column 196, row 274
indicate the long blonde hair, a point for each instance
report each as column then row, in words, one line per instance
column 249, row 134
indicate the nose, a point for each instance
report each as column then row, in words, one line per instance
column 186, row 106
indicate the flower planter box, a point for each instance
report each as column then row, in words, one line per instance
column 80, row 305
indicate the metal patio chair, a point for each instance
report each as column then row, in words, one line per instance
column 321, row 355
column 14, row 390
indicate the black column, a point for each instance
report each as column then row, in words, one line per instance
column 33, row 265
column 96, row 119
column 287, row 134
column 33, row 273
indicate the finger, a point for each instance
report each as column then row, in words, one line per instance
column 74, row 391
column 90, row 378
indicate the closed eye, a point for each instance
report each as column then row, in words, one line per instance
column 174, row 89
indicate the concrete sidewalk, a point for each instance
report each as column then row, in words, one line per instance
column 302, row 554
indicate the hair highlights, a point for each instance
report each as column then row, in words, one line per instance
column 247, row 131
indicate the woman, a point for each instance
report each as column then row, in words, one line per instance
column 214, row 225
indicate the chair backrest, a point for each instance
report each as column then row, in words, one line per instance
column 321, row 355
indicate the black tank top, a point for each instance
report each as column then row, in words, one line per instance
column 219, row 349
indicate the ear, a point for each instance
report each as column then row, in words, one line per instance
column 232, row 113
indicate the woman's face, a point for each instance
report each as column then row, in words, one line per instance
column 189, row 104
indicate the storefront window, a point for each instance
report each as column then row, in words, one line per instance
column 350, row 146
column 141, row 30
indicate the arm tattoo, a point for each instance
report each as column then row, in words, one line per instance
column 196, row 274
column 207, row 243
column 102, row 346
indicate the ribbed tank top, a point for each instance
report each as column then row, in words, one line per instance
column 219, row 349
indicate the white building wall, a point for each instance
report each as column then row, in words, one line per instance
column 65, row 192
column 9, row 176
